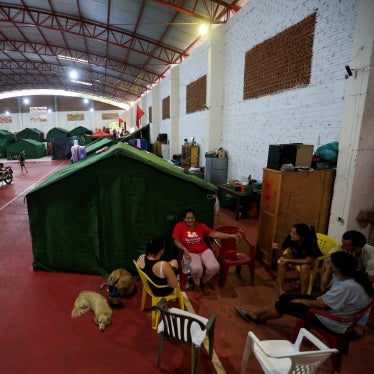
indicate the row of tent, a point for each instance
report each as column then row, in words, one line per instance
column 30, row 141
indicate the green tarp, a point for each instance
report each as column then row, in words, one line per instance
column 98, row 214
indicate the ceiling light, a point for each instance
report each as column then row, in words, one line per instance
column 68, row 58
column 80, row 82
column 26, row 100
column 203, row 29
column 73, row 74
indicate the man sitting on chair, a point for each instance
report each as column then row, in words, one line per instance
column 354, row 242
column 350, row 292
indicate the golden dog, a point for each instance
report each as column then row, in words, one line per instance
column 122, row 280
column 89, row 300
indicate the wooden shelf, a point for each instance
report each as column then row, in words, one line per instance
column 290, row 197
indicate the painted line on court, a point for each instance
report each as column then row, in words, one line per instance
column 30, row 187
column 215, row 359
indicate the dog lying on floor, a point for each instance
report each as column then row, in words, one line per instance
column 122, row 280
column 89, row 300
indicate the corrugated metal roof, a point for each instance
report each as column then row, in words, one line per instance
column 119, row 48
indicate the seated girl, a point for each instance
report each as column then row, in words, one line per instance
column 302, row 249
column 159, row 271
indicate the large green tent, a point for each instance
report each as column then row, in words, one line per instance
column 98, row 214
column 32, row 149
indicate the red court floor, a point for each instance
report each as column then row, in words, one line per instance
column 37, row 333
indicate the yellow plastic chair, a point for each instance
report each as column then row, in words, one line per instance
column 176, row 294
column 327, row 245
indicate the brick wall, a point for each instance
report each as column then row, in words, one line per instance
column 196, row 95
column 311, row 113
column 281, row 62
column 166, row 108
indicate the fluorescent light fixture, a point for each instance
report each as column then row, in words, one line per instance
column 68, row 58
column 80, row 82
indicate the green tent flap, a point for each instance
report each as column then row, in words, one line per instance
column 98, row 214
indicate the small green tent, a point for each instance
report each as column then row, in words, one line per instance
column 97, row 215
column 32, row 148
column 6, row 138
column 5, row 134
column 30, row 133
column 56, row 133
column 3, row 147
column 80, row 131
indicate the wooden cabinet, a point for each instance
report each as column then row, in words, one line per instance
column 290, row 197
column 157, row 148
column 190, row 156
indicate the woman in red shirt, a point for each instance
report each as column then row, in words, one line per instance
column 189, row 236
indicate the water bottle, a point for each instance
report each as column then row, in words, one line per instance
column 186, row 268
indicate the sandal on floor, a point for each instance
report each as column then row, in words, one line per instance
column 242, row 313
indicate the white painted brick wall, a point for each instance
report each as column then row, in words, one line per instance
column 312, row 114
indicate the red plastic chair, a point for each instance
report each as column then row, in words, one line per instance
column 230, row 256
column 334, row 340
column 184, row 277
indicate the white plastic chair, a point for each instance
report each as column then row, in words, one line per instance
column 185, row 327
column 281, row 356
